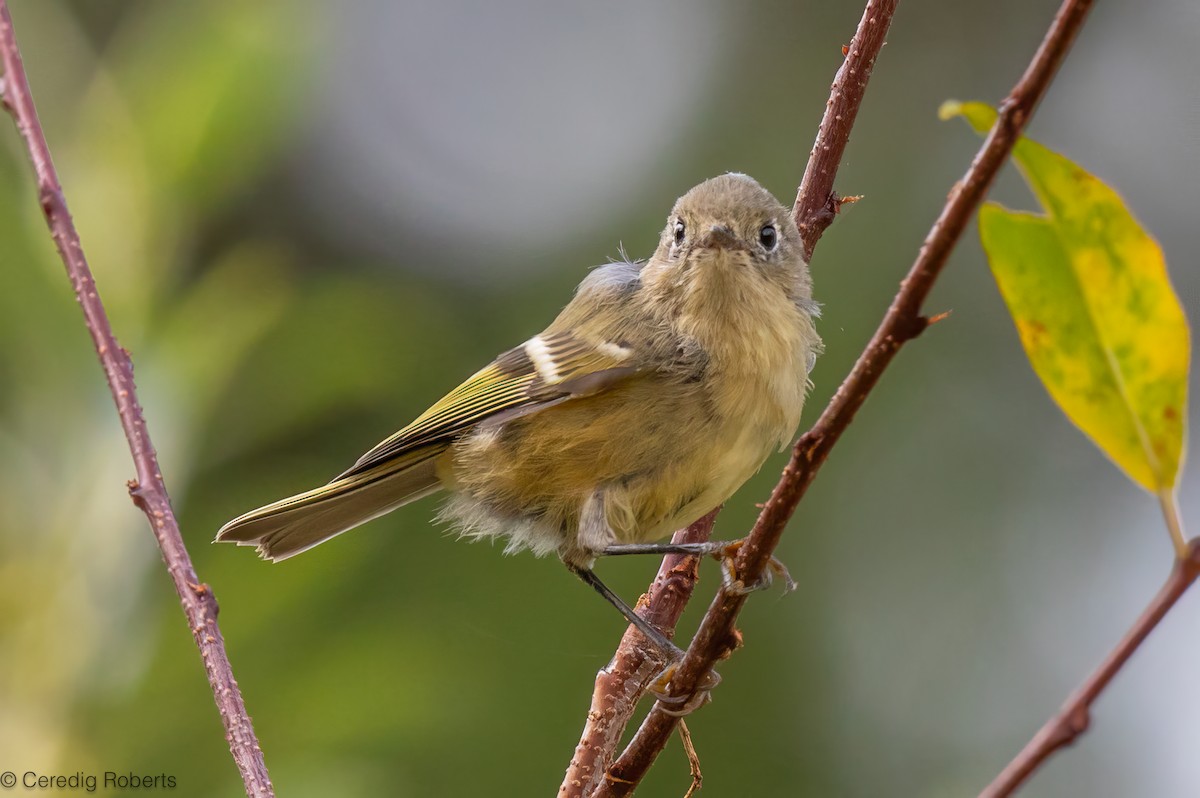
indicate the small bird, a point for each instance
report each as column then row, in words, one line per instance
column 658, row 390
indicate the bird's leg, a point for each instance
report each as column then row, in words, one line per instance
column 593, row 527
column 723, row 550
column 661, row 686
column 595, row 534
column 652, row 632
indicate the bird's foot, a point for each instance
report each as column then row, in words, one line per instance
column 732, row 584
column 724, row 551
column 680, row 705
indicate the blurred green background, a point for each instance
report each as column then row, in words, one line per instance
column 310, row 220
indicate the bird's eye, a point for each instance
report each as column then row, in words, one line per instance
column 768, row 236
column 679, row 231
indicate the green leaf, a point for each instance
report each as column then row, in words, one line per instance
column 1089, row 293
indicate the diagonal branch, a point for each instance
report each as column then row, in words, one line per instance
column 148, row 490
column 1074, row 717
column 902, row 323
column 816, row 206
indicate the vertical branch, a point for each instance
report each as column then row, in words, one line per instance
column 148, row 490
column 816, row 203
column 902, row 322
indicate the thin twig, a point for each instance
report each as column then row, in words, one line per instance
column 148, row 491
column 689, row 750
column 606, row 722
column 1074, row 717
column 902, row 323
column 816, row 203
column 623, row 681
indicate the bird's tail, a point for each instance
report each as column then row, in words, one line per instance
column 290, row 526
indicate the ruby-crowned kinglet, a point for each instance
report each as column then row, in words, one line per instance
column 657, row 392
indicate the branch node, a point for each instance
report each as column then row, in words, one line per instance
column 138, row 495
column 1011, row 113
column 208, row 600
column 1075, row 722
column 910, row 330
column 51, row 199
column 806, row 448
column 732, row 643
column 1190, row 563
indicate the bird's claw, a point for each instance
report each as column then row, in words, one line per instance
column 734, row 586
column 679, row 706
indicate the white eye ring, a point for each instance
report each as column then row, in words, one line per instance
column 680, row 231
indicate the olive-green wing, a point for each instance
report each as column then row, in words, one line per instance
column 542, row 372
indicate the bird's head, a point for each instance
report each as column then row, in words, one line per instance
column 727, row 231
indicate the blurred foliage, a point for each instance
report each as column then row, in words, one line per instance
column 144, row 174
column 275, row 340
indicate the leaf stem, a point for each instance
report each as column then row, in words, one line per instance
column 1168, row 499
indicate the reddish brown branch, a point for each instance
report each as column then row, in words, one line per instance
column 1074, row 717
column 816, row 203
column 148, row 491
column 902, row 323
column 608, row 719
column 623, row 681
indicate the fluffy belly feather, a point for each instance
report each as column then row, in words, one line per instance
column 658, row 469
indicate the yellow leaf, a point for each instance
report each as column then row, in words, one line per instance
column 1089, row 293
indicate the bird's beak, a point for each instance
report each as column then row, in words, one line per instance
column 720, row 237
